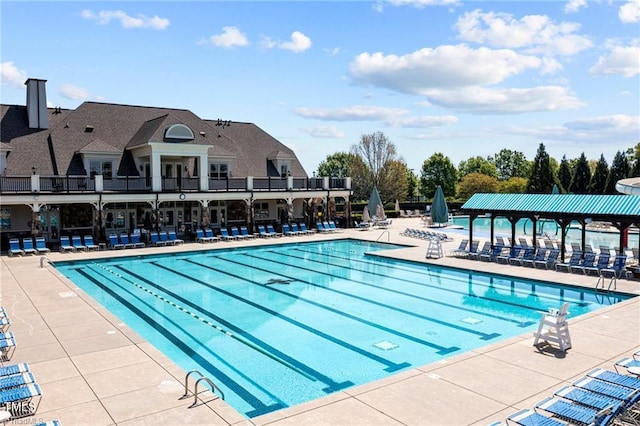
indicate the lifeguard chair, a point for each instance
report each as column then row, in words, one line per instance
column 554, row 328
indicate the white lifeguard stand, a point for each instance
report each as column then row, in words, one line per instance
column 554, row 328
column 434, row 250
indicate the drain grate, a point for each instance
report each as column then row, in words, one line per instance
column 385, row 345
column 472, row 321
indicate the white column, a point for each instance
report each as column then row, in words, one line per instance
column 156, row 172
column 35, row 183
column 203, row 172
column 99, row 183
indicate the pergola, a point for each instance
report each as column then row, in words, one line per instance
column 622, row 211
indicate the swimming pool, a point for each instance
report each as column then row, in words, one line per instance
column 502, row 226
column 278, row 325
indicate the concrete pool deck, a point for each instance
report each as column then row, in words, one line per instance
column 94, row 370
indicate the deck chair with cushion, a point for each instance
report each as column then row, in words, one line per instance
column 27, row 246
column 208, row 233
column 235, row 232
column 154, row 239
column 22, row 401
column 224, row 233
column 89, row 244
column 65, row 245
column 173, row 237
column 114, row 244
column 273, row 232
column 124, row 239
column 554, row 328
column 76, row 242
column 244, row 231
column 14, row 247
column 41, row 246
column 135, row 240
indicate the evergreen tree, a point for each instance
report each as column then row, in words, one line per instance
column 598, row 182
column 634, row 154
column 619, row 170
column 564, row 174
column 581, row 176
column 541, row 178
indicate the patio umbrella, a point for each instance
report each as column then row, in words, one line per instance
column 439, row 209
column 397, row 206
column 365, row 215
column 374, row 200
column 555, row 189
column 380, row 212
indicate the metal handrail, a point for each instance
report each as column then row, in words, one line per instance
column 384, row 232
column 195, row 390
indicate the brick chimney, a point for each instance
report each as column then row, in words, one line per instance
column 37, row 104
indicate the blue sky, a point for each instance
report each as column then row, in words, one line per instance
column 463, row 78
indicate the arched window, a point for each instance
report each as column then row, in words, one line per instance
column 178, row 133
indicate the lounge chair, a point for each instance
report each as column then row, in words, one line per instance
column 632, row 382
column 554, row 327
column 224, row 233
column 603, row 263
column 20, row 401
column 235, row 232
column 7, row 346
column 16, row 380
column 550, row 261
column 627, row 362
column 526, row 253
column 114, row 244
column 5, row 323
column 606, row 388
column 618, row 267
column 322, row 229
column 154, row 239
column 262, row 232
column 89, row 244
column 173, row 237
column 541, row 255
column 27, row 246
column 124, row 239
column 41, row 246
column 14, row 247
column 574, row 260
column 164, row 238
column 294, row 228
column 461, row 250
column 287, row 231
column 514, row 252
column 587, row 262
column 574, row 413
column 530, row 418
column 273, row 232
column 244, row 231
column 486, row 250
column 201, row 238
column 10, row 370
column 208, row 233
column 76, row 242
column 135, row 240
column 590, row 399
column 65, row 245
column 303, row 228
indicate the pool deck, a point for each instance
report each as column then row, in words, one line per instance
column 94, row 370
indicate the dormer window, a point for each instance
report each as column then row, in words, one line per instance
column 178, row 133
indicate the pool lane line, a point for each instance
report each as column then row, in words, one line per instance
column 390, row 366
column 449, row 290
column 403, row 293
column 259, row 406
column 305, row 370
column 483, row 336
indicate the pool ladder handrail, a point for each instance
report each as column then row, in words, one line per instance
column 613, row 280
column 382, row 234
column 195, row 388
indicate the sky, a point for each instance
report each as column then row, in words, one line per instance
column 461, row 78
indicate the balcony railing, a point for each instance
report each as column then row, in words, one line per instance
column 84, row 184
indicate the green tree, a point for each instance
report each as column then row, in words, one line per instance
column 438, row 170
column 514, row 185
column 476, row 182
column 634, row 159
column 336, row 165
column 510, row 164
column 541, row 178
column 361, row 180
column 581, row 176
column 392, row 186
column 598, row 183
column 564, row 174
column 412, row 184
column 619, row 170
column 477, row 165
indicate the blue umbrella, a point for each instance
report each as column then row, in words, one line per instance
column 555, row 189
column 439, row 209
column 374, row 201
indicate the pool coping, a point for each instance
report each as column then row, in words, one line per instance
column 94, row 370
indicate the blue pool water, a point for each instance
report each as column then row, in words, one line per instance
column 502, row 227
column 278, row 325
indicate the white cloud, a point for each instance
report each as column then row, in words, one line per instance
column 229, row 38
column 421, row 3
column 299, row 43
column 536, row 33
column 10, row 75
column 140, row 21
column 621, row 60
column 323, row 132
column 574, row 6
column 442, row 67
column 617, row 123
column 267, row 42
column 629, row 13
column 73, row 92
column 504, row 100
column 393, row 117
column 421, row 122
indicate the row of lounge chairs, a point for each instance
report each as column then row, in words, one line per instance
column 27, row 247
column 427, row 235
column 156, row 239
column 20, row 394
column 599, row 398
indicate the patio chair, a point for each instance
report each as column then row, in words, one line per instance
column 20, row 400
column 574, row 413
column 244, row 231
column 287, row 231
column 590, row 399
column 461, row 250
column 89, row 244
column 262, row 232
column 208, row 233
column 76, row 242
column 235, row 232
column 541, row 255
column 587, row 262
column 303, row 228
column 124, row 239
column 164, row 238
column 273, row 231
column 495, row 252
column 135, row 240
column 27, row 246
column 114, row 243
column 550, row 261
column 7, row 346
column 328, row 227
column 514, row 252
column 554, row 327
column 41, row 246
column 224, row 233
column 10, row 370
column 298, row 231
column 526, row 253
column 627, row 363
column 574, row 260
column 603, row 263
column 606, row 388
column 16, row 380
column 154, row 239
column 529, row 418
column 14, row 247
column 173, row 237
column 486, row 250
column 632, row 382
column 65, row 245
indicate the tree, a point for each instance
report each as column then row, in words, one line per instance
column 438, row 170
column 375, row 150
column 598, row 183
column 564, row 174
column 581, row 176
column 510, row 164
column 335, row 165
column 634, row 158
column 619, row 170
column 541, row 178
column 392, row 186
column 515, row 185
column 361, row 181
column 476, row 182
column 412, row 184
column 477, row 165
